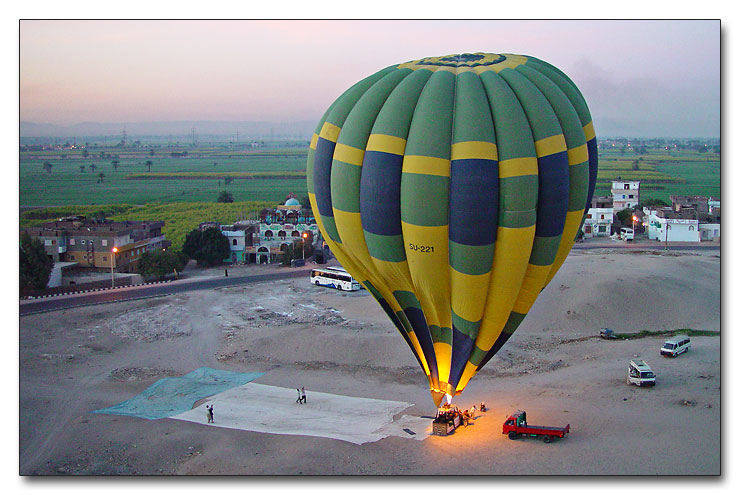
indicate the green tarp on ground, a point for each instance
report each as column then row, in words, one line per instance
column 170, row 396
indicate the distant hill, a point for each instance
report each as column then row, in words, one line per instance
column 246, row 130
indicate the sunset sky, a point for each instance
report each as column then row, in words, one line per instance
column 650, row 78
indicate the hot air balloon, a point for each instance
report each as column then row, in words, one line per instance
column 453, row 188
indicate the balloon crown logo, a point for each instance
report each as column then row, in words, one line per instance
column 465, row 59
column 453, row 188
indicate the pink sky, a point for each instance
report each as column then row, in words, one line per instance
column 641, row 74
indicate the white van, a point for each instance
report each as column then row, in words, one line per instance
column 626, row 234
column 676, row 345
column 640, row 373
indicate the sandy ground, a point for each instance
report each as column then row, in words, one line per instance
column 555, row 368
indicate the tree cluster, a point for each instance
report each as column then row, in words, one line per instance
column 209, row 247
column 157, row 264
column 35, row 265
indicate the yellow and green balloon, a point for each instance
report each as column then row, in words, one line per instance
column 453, row 188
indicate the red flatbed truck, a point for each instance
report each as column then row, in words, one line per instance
column 516, row 425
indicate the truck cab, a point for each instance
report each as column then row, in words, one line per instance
column 639, row 373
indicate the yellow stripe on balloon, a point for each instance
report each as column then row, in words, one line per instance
column 517, row 167
column 314, row 140
column 468, row 372
column 349, row 154
column 510, row 261
column 578, row 155
column 330, row 132
column 427, row 165
column 572, row 224
column 550, row 145
column 443, row 352
column 589, row 131
column 535, row 279
column 466, row 301
column 474, row 150
column 386, row 144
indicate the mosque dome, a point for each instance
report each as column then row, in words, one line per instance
column 292, row 202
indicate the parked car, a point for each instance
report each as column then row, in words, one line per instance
column 640, row 373
column 676, row 345
column 607, row 333
column 626, row 234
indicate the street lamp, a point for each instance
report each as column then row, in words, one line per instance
column 112, row 260
column 634, row 219
column 305, row 236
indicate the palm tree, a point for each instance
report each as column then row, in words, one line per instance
column 82, row 168
column 115, row 165
column 148, row 165
column 47, row 166
column 93, row 167
column 101, row 176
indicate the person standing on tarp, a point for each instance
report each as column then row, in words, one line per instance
column 303, row 394
column 210, row 412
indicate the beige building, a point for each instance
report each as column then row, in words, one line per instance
column 91, row 243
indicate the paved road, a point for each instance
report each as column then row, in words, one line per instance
column 187, row 285
column 56, row 303
column 652, row 246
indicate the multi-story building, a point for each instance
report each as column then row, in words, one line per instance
column 599, row 218
column 625, row 193
column 99, row 243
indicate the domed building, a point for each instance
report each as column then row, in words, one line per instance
column 280, row 227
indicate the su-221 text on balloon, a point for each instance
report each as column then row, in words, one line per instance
column 422, row 249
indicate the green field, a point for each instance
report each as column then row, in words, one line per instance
column 662, row 173
column 133, row 183
column 269, row 174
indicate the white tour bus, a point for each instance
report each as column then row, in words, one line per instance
column 334, row 276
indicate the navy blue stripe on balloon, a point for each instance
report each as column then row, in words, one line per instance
column 462, row 347
column 419, row 324
column 380, row 193
column 474, row 201
column 552, row 203
column 500, row 341
column 322, row 159
column 593, row 168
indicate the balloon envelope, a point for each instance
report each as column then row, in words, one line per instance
column 453, row 188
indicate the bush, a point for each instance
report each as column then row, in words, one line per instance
column 225, row 197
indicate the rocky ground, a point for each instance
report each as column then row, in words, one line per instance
column 555, row 367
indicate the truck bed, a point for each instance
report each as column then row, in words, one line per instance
column 545, row 428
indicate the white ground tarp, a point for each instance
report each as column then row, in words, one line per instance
column 267, row 409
